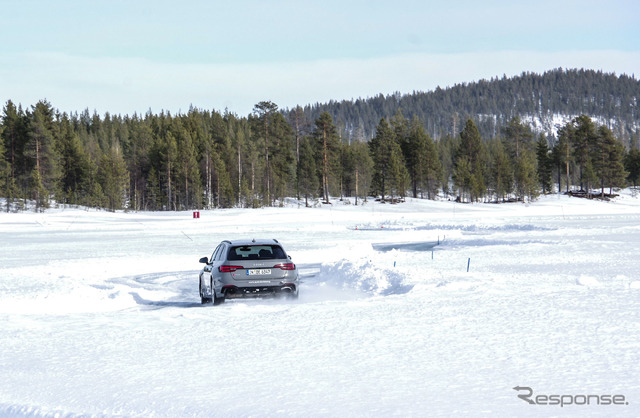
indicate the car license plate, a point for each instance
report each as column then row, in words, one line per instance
column 258, row 272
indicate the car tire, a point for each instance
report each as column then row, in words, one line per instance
column 217, row 300
column 203, row 300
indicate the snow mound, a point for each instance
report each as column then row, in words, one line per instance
column 364, row 276
column 588, row 281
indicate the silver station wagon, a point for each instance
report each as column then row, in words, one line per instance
column 247, row 268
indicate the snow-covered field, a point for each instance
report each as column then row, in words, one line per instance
column 100, row 313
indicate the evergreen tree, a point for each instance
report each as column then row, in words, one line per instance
column 399, row 179
column 362, row 166
column 239, row 153
column 385, row 153
column 470, row 163
column 518, row 137
column 74, row 163
column 632, row 165
column 283, row 158
column 609, row 161
column 154, row 193
column 562, row 155
column 114, row 178
column 446, row 149
column 544, row 164
column 164, row 155
column 13, row 137
column 42, row 154
column 307, row 171
column 4, row 170
column 327, row 146
column 401, row 129
column 261, row 127
column 187, row 171
column 346, row 171
column 583, row 139
column 526, row 179
column 462, row 176
column 501, row 171
column 431, row 166
column 423, row 162
column 139, row 163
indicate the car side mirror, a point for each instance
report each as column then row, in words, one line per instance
column 204, row 260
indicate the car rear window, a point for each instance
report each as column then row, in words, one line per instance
column 256, row 252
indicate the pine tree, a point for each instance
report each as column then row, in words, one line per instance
column 416, row 157
column 501, row 171
column 362, row 165
column 307, row 171
column 423, row 162
column 327, row 147
column 544, row 164
column 114, row 178
column 446, row 148
column 74, row 165
column 471, row 155
column 261, row 128
column 399, row 179
column 168, row 148
column 462, row 176
column 239, row 151
column 187, row 171
column 562, row 155
column 42, row 153
column 526, row 179
column 389, row 168
column 283, row 161
column 609, row 161
column 154, row 193
column 13, row 137
column 4, row 170
column 380, row 149
column 632, row 165
column 139, row 162
column 583, row 140
column 518, row 137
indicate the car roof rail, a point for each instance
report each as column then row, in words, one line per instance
column 226, row 240
column 276, row 241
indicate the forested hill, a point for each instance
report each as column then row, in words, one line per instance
column 544, row 101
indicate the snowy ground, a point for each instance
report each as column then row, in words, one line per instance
column 100, row 313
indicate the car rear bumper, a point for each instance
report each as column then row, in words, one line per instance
column 233, row 292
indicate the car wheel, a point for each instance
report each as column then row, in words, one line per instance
column 217, row 300
column 203, row 300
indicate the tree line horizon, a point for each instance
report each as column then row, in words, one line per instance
column 206, row 159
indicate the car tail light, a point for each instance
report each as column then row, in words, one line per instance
column 285, row 266
column 229, row 269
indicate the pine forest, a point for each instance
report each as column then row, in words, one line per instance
column 573, row 131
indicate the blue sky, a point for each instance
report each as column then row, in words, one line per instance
column 126, row 56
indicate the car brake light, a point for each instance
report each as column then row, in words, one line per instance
column 229, row 269
column 285, row 266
